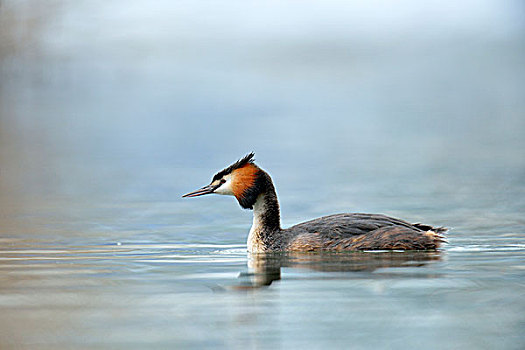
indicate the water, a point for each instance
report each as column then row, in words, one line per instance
column 109, row 112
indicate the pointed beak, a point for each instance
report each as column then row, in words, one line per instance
column 201, row 191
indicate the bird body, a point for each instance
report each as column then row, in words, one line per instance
column 253, row 188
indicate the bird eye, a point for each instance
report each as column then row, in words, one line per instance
column 222, row 181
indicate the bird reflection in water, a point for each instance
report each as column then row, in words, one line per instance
column 265, row 268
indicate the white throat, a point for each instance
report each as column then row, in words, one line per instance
column 254, row 243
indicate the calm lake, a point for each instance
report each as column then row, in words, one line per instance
column 110, row 111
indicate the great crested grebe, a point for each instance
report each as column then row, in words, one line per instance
column 254, row 189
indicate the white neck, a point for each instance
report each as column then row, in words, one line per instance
column 254, row 243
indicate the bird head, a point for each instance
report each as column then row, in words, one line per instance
column 243, row 180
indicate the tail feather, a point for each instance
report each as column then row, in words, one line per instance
column 438, row 230
column 436, row 237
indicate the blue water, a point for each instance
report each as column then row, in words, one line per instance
column 109, row 112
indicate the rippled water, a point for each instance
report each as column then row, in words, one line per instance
column 110, row 111
column 196, row 295
column 152, row 289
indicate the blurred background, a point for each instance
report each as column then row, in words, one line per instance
column 365, row 104
column 111, row 110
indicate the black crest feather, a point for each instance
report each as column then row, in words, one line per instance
column 247, row 159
